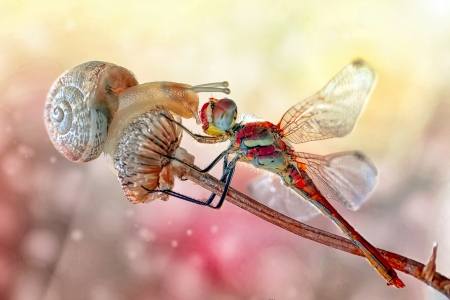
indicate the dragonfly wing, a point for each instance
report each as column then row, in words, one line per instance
column 271, row 192
column 347, row 177
column 331, row 112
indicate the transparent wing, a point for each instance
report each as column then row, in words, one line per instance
column 271, row 192
column 331, row 112
column 347, row 177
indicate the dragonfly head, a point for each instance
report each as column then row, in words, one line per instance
column 217, row 116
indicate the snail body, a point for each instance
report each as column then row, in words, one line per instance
column 92, row 106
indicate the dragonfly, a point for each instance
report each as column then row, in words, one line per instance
column 347, row 177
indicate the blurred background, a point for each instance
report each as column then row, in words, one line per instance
column 68, row 232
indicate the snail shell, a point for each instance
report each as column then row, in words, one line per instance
column 80, row 105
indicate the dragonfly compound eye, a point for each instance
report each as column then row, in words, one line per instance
column 224, row 113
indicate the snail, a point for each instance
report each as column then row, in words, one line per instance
column 100, row 107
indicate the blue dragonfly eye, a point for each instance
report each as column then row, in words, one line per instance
column 224, row 113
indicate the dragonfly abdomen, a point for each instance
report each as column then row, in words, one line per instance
column 303, row 185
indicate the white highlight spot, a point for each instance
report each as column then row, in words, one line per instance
column 214, row 229
column 70, row 25
column 147, row 235
column 174, row 243
column 189, row 232
column 441, row 7
column 291, row 293
column 41, row 245
column 132, row 254
column 77, row 235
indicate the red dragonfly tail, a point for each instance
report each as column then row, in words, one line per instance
column 369, row 251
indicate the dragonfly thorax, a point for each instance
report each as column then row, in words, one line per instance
column 259, row 145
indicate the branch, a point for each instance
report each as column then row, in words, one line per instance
column 426, row 274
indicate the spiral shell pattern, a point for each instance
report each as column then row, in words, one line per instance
column 80, row 106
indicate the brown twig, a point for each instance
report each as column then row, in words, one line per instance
column 399, row 262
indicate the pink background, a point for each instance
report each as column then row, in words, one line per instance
column 66, row 229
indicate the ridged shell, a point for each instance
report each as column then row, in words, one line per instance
column 80, row 105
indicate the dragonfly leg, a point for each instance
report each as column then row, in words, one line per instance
column 205, row 170
column 179, row 196
column 225, row 162
column 199, row 138
column 226, row 177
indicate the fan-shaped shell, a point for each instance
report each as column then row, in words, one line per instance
column 137, row 157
